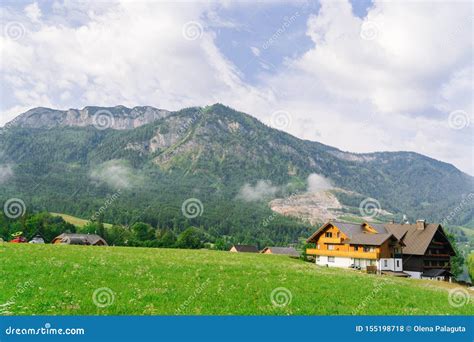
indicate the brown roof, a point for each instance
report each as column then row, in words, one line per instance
column 369, row 239
column 357, row 234
column 79, row 239
column 282, row 250
column 246, row 248
column 416, row 240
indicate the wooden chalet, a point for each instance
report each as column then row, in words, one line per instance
column 362, row 246
column 418, row 250
column 427, row 252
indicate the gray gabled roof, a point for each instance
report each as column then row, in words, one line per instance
column 80, row 239
column 282, row 250
column 246, row 248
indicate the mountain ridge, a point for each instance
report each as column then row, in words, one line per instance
column 211, row 153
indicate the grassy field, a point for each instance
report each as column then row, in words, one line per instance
column 73, row 280
column 76, row 220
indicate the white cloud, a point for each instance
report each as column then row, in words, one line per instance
column 393, row 91
column 33, row 12
column 117, row 174
column 263, row 189
column 318, row 183
column 6, row 172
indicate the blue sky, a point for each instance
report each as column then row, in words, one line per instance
column 358, row 75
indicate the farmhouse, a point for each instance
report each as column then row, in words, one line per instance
column 427, row 252
column 290, row 251
column 79, row 239
column 363, row 246
column 243, row 249
column 419, row 250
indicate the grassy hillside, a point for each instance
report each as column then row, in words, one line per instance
column 78, row 222
column 51, row 280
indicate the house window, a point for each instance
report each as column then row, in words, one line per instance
column 385, row 263
column 338, row 234
column 317, row 258
column 328, row 234
column 398, row 263
column 331, row 259
column 330, row 247
column 366, row 249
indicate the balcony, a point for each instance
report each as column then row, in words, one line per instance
column 345, row 254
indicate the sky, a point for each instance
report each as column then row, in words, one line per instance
column 362, row 76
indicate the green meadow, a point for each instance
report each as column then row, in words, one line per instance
column 85, row 280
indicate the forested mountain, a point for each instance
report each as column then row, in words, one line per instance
column 232, row 163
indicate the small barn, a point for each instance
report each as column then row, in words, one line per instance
column 79, row 239
column 243, row 249
column 290, row 251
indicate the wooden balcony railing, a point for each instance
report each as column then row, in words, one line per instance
column 345, row 254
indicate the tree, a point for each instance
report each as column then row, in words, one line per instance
column 143, row 232
column 190, row 238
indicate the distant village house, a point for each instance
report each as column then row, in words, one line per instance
column 243, row 249
column 79, row 239
column 290, row 251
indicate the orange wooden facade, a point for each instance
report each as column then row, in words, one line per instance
column 330, row 242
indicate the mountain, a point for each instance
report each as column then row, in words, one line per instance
column 229, row 161
column 118, row 117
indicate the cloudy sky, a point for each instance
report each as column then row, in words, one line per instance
column 362, row 76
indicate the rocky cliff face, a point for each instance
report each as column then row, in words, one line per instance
column 118, row 117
